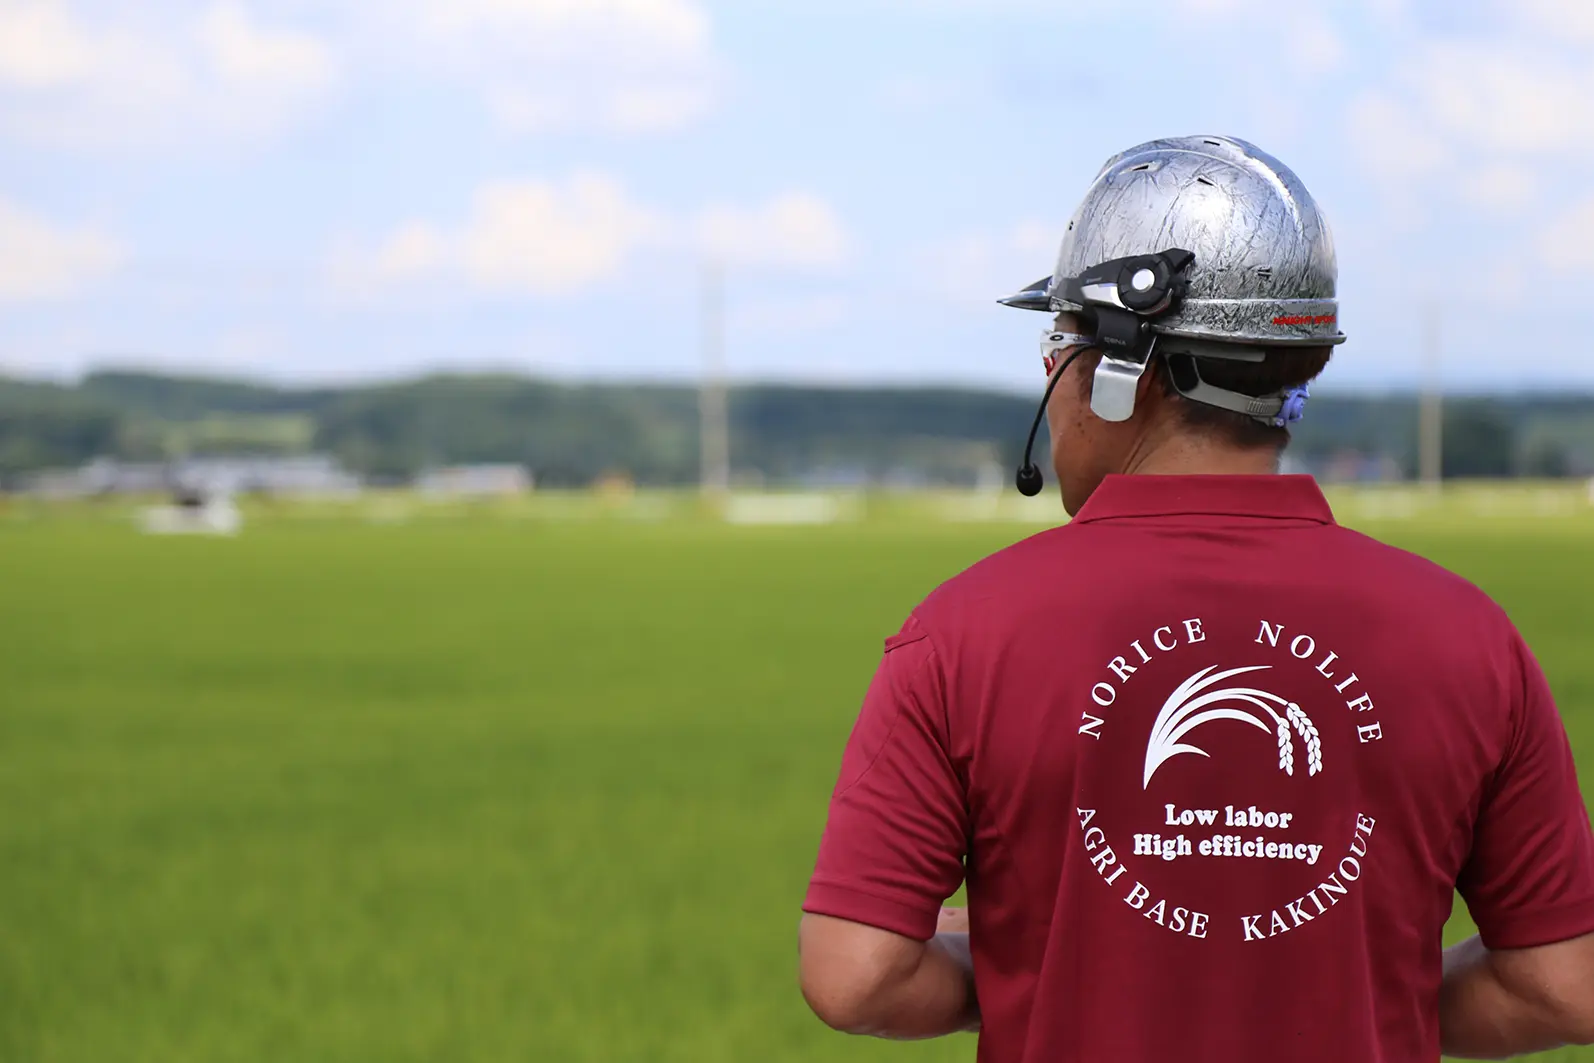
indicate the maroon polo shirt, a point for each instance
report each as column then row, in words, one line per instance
column 1211, row 766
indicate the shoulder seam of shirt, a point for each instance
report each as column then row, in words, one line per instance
column 1522, row 657
column 896, row 716
column 899, row 640
column 934, row 655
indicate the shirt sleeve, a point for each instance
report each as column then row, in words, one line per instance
column 893, row 846
column 1529, row 879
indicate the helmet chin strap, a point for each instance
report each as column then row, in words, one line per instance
column 1117, row 382
column 1278, row 410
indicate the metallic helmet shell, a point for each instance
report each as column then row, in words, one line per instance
column 1264, row 271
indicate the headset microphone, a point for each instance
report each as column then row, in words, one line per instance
column 1029, row 479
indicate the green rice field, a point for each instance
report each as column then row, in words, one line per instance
column 393, row 781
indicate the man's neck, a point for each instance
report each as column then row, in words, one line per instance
column 1185, row 454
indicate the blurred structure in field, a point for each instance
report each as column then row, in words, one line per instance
column 193, row 512
column 1352, row 466
column 475, row 481
column 311, row 475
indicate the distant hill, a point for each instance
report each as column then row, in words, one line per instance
column 571, row 434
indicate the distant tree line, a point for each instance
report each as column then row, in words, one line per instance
column 573, row 434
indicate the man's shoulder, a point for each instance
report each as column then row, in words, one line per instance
column 1393, row 570
column 1004, row 578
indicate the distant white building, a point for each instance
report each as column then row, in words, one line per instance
column 307, row 475
column 475, row 481
column 317, row 475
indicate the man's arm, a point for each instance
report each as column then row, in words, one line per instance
column 1509, row 1002
column 862, row 980
column 1529, row 885
column 875, row 959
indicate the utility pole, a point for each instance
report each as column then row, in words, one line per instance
column 713, row 404
column 1431, row 411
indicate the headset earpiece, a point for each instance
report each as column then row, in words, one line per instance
column 1150, row 284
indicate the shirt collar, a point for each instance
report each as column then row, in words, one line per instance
column 1277, row 497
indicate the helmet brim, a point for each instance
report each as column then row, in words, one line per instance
column 1034, row 297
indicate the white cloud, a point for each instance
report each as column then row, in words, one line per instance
column 1319, row 48
column 559, row 104
column 98, row 74
column 795, row 229
column 919, row 93
column 554, row 238
column 1213, row 8
column 41, row 46
column 1562, row 18
column 1392, row 140
column 543, row 238
column 1503, row 188
column 1501, row 98
column 46, row 261
column 1388, row 13
column 1568, row 242
column 666, row 23
column 1479, row 124
column 1382, row 10
column 140, row 79
column 790, row 314
column 982, row 266
column 623, row 66
column 1474, row 123
column 240, row 52
column 1315, row 43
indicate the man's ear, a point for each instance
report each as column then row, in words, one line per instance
column 1151, row 396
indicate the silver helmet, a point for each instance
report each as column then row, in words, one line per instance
column 1202, row 246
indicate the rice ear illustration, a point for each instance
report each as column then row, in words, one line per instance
column 1309, row 737
column 1194, row 704
column 1286, row 749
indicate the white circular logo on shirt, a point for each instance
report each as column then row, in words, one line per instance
column 1231, row 818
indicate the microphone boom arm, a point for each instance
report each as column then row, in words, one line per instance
column 1029, row 479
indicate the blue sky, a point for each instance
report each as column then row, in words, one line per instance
column 349, row 189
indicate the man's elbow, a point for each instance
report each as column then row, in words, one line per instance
column 1576, row 1024
column 1555, row 984
column 853, row 976
column 845, row 1006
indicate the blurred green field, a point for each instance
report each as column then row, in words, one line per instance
column 472, row 785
